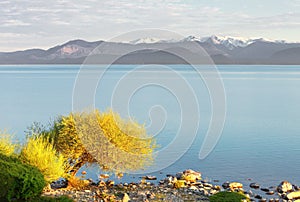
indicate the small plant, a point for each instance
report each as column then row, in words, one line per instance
column 39, row 152
column 18, row 180
column 228, row 197
column 6, row 146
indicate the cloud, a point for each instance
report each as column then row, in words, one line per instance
column 60, row 20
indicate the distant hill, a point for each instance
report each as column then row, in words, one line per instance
column 222, row 50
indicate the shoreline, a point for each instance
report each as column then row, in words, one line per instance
column 182, row 186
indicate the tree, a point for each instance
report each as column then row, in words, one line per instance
column 114, row 143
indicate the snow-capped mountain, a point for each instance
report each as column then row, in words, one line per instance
column 221, row 49
column 230, row 42
column 191, row 38
column 226, row 41
column 145, row 40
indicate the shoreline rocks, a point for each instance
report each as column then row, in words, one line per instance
column 186, row 185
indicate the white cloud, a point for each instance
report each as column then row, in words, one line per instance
column 102, row 19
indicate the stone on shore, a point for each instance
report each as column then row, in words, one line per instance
column 125, row 198
column 104, row 176
column 293, row 195
column 149, row 177
column 235, row 185
column 179, row 184
column 285, row 186
column 254, row 185
column 191, row 175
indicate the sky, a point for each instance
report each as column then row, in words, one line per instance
column 43, row 24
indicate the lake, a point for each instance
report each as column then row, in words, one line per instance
column 261, row 135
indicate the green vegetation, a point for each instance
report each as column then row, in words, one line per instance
column 50, row 199
column 39, row 152
column 228, row 197
column 18, row 180
column 72, row 141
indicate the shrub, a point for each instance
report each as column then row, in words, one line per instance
column 39, row 152
column 6, row 146
column 228, row 197
column 19, row 180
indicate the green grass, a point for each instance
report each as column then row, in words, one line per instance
column 228, row 197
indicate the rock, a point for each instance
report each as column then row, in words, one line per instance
column 207, row 185
column 179, row 175
column 263, row 200
column 193, row 188
column 125, row 198
column 270, row 193
column 254, row 185
column 179, row 184
column 265, row 189
column 101, row 184
column 104, row 176
column 191, row 175
column 257, row 196
column 225, row 185
column 149, row 177
column 235, row 185
column 271, row 200
column 293, row 195
column 217, row 187
column 120, row 175
column 285, row 186
column 161, row 182
column 83, row 172
column 110, row 183
column 212, row 191
column 150, row 195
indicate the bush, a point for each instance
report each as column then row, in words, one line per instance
column 19, row 180
column 228, row 197
column 39, row 152
column 6, row 146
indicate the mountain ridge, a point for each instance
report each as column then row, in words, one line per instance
column 222, row 50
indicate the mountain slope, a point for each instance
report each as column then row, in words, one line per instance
column 222, row 50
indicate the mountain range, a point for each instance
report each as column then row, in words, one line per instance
column 222, row 50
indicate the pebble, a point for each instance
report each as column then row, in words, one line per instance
column 254, row 185
column 225, row 185
column 149, row 177
column 270, row 193
column 257, row 196
column 265, row 189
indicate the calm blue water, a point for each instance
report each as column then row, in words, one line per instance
column 261, row 135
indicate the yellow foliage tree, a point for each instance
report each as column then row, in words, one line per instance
column 114, row 143
column 39, row 152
